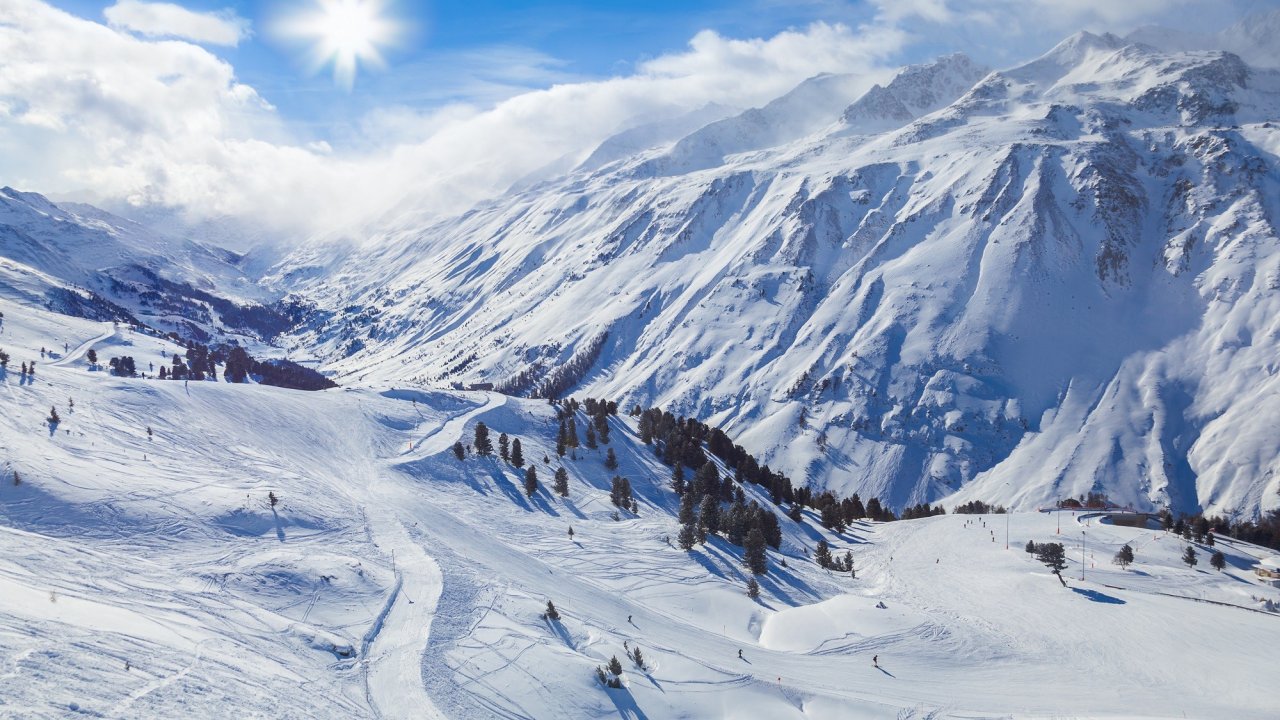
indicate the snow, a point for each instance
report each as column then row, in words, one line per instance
column 395, row 581
column 1013, row 287
column 1033, row 283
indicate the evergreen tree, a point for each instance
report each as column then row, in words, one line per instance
column 753, row 555
column 822, row 555
column 1189, row 557
column 1054, row 557
column 1208, row 539
column 677, row 480
column 504, row 447
column 552, row 613
column 458, row 451
column 531, row 481
column 611, row 460
column 591, row 438
column 620, row 492
column 709, row 515
column 735, row 523
column 688, row 508
column 517, row 453
column 53, row 418
column 615, row 667
column 753, row 588
column 707, row 480
column 687, row 536
column 571, row 438
column 483, row 445
column 1124, row 558
column 93, row 356
column 1218, row 560
column 637, row 657
column 561, row 485
column 1031, row 546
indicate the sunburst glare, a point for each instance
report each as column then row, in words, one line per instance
column 346, row 34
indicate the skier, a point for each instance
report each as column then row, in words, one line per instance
column 875, row 660
column 740, row 654
column 629, row 620
column 570, row 532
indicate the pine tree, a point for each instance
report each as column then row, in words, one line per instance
column 601, row 676
column 688, row 509
column 753, row 588
column 93, row 356
column 1124, row 558
column 707, row 480
column 709, row 515
column 483, row 445
column 1189, row 557
column 53, row 418
column 591, row 438
column 677, row 480
column 1054, row 557
column 552, row 613
column 561, row 485
column 753, row 555
column 1218, row 560
column 504, row 447
column 822, row 555
column 531, row 481
column 1031, row 546
column 637, row 657
column 615, row 667
column 458, row 450
column 517, row 453
column 571, row 439
column 688, row 536
column 611, row 460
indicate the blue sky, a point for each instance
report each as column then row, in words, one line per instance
column 476, row 96
column 483, row 50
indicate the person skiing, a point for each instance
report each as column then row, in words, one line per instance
column 740, row 654
column 875, row 660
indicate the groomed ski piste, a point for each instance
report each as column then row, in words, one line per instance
column 148, row 575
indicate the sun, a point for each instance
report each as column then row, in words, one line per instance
column 345, row 34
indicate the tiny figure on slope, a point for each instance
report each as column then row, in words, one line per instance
column 875, row 660
column 740, row 654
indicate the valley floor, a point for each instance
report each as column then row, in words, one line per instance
column 144, row 572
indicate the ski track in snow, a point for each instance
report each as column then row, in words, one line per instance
column 177, row 564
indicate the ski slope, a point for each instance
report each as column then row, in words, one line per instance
column 150, row 576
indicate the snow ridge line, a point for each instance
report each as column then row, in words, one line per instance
column 372, row 633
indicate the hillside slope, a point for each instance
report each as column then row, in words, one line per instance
column 145, row 573
column 1062, row 281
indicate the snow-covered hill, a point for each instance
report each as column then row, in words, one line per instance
column 99, row 265
column 1017, row 286
column 145, row 572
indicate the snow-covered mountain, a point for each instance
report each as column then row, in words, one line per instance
column 1014, row 286
column 187, row 551
column 101, row 265
column 1018, row 286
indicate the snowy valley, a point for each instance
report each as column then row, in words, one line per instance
column 960, row 289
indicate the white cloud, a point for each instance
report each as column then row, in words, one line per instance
column 159, row 19
column 87, row 108
column 92, row 109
